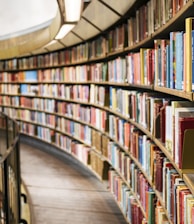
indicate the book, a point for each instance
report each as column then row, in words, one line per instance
column 179, row 60
column 179, row 184
column 189, row 208
column 157, row 62
column 150, row 213
column 185, row 209
column 184, row 124
column 30, row 76
column 180, row 113
column 168, row 66
column 172, row 60
column 189, row 80
column 170, row 123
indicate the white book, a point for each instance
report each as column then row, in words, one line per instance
column 169, row 128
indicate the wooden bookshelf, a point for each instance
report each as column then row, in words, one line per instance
column 125, row 105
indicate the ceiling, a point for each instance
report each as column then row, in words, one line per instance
column 31, row 29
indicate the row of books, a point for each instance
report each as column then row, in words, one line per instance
column 99, row 94
column 130, row 204
column 149, row 156
column 78, row 73
column 77, row 130
column 74, row 110
column 67, row 92
column 153, row 112
column 164, row 65
column 37, row 117
column 10, row 100
column 43, row 133
column 165, row 118
column 119, row 130
column 177, row 198
column 22, row 76
column 157, row 14
column 61, row 124
column 160, row 171
column 46, row 105
column 91, row 115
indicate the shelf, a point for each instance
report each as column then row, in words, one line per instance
column 174, row 92
column 189, row 180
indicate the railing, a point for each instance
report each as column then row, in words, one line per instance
column 10, row 207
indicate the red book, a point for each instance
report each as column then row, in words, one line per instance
column 172, row 192
column 150, row 66
column 184, row 124
column 162, row 122
column 192, row 215
column 126, row 135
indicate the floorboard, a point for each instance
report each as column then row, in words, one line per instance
column 63, row 192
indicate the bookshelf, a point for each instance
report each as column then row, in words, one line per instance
column 110, row 102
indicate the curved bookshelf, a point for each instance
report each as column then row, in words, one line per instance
column 128, row 96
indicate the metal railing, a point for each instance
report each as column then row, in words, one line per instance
column 10, row 206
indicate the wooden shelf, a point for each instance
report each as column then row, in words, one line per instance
column 174, row 92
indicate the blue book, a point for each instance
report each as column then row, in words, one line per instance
column 31, row 76
column 159, row 65
column 192, row 39
column 129, row 212
column 110, row 102
column 140, row 148
column 168, row 66
column 144, row 151
column 179, row 60
column 24, row 88
column 172, row 60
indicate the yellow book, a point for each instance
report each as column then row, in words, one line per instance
column 189, row 26
column 189, row 205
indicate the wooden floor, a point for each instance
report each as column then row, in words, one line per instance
column 64, row 192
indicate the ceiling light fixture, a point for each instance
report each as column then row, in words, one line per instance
column 64, row 30
column 70, row 14
column 73, row 9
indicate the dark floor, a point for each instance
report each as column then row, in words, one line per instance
column 64, row 192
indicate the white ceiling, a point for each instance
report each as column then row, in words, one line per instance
column 23, row 16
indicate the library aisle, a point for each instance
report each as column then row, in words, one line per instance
column 65, row 192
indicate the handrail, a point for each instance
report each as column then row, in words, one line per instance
column 9, row 170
